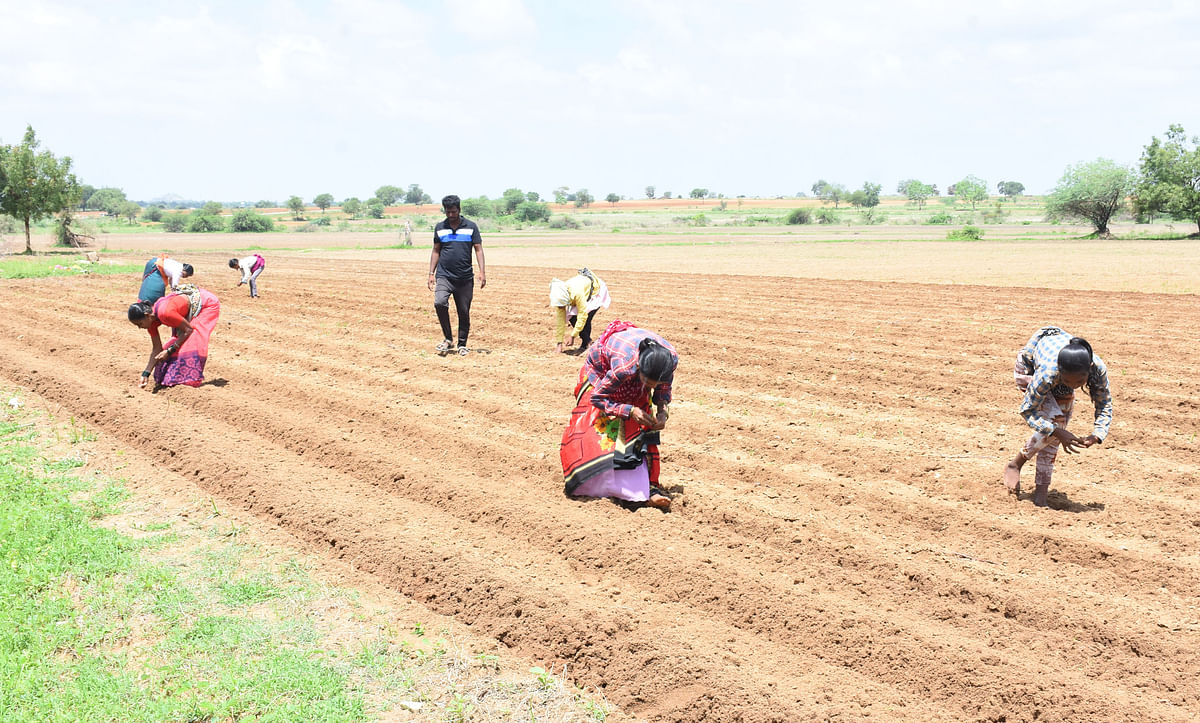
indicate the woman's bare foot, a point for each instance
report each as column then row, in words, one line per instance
column 660, row 501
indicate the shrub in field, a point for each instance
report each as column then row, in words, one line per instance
column 246, row 220
column 798, row 216
column 175, row 222
column 202, row 223
column 563, row 222
column 966, row 233
column 826, row 215
column 996, row 214
column 153, row 213
column 871, row 216
column 532, row 211
column 698, row 219
column 941, row 219
column 478, row 207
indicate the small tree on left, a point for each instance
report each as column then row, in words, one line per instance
column 34, row 185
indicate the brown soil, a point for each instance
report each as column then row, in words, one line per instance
column 840, row 544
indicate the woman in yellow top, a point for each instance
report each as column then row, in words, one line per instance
column 575, row 302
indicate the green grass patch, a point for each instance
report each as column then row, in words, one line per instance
column 191, row 621
column 37, row 267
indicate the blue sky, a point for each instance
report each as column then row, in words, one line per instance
column 262, row 100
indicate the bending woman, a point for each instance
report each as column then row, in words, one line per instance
column 1049, row 368
column 575, row 302
column 251, row 267
column 192, row 314
column 610, row 445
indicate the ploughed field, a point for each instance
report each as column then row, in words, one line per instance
column 840, row 545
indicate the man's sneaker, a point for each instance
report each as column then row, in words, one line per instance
column 463, row 350
column 445, row 347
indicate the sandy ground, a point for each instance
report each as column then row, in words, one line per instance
column 840, row 548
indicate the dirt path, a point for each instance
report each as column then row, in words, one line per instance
column 840, row 547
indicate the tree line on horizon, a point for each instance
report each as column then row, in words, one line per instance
column 35, row 185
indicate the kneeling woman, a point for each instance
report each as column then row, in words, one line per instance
column 610, row 445
column 192, row 313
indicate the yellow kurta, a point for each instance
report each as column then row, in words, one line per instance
column 577, row 288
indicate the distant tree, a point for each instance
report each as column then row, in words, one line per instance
column 323, row 201
column 265, row 204
column 108, row 200
column 1093, row 192
column 583, row 198
column 612, row 198
column 829, row 192
column 509, row 201
column 175, row 222
column 798, row 216
column 352, row 206
column 130, row 210
column 389, row 194
column 200, row 222
column 247, row 221
column 1169, row 177
column 650, row 192
column 560, row 194
column 296, row 205
column 478, row 207
column 867, row 196
column 532, row 211
column 85, row 192
column 212, row 208
column 375, row 207
column 1012, row 189
column 916, row 191
column 34, row 185
column 667, row 195
column 414, row 195
column 533, row 197
column 153, row 214
column 698, row 192
column 972, row 190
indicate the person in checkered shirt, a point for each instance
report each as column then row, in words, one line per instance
column 1049, row 368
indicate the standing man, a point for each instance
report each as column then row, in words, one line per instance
column 451, row 273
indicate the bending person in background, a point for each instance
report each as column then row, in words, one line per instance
column 160, row 276
column 610, row 445
column 251, row 267
column 575, row 303
column 1049, row 368
column 192, row 315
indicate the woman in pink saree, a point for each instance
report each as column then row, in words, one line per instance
column 192, row 315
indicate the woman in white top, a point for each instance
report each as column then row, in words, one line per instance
column 251, row 267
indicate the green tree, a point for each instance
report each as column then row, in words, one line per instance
column 971, row 189
column 698, row 192
column 264, row 204
column 323, row 201
column 560, row 194
column 389, row 194
column 667, row 195
column 916, row 191
column 867, row 196
column 1093, row 192
column 35, row 185
column 533, row 197
column 512, row 198
column 375, row 208
column 583, row 198
column 130, row 210
column 612, row 198
column 650, row 192
column 108, row 200
column 414, row 195
column 352, row 206
column 212, row 208
column 1012, row 189
column 1169, row 177
column 200, row 222
column 175, row 222
column 85, row 192
column 532, row 211
column 296, row 204
column 478, row 207
column 244, row 220
column 153, row 214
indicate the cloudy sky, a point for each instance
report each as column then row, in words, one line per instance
column 243, row 100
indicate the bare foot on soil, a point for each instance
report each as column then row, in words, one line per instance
column 1012, row 478
column 662, row 502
